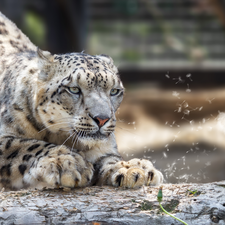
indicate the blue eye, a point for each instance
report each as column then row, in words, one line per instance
column 74, row 90
column 114, row 91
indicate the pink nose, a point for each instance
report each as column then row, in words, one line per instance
column 100, row 121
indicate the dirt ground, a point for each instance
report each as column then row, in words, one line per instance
column 182, row 132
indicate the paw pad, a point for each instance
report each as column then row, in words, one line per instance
column 136, row 173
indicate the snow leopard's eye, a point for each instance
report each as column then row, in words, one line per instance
column 114, row 91
column 74, row 90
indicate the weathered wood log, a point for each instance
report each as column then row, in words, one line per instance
column 193, row 203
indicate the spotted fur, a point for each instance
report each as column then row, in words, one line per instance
column 58, row 119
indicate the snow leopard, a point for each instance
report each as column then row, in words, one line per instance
column 58, row 119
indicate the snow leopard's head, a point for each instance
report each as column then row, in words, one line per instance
column 79, row 94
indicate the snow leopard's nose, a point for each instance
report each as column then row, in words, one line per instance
column 100, row 120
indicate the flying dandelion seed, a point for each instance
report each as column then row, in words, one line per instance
column 176, row 94
column 176, row 136
column 167, row 76
column 184, row 177
column 166, row 146
column 210, row 100
column 189, row 76
column 179, row 109
column 183, row 158
column 186, row 112
column 185, row 105
column 170, row 170
column 188, row 88
column 179, row 80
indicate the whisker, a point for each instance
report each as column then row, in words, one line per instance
column 74, row 136
column 75, row 139
column 67, row 118
column 79, row 134
column 51, row 126
column 67, row 139
column 64, row 118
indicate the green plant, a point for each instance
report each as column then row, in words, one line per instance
column 193, row 193
column 159, row 198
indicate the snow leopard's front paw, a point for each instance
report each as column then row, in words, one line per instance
column 63, row 170
column 135, row 173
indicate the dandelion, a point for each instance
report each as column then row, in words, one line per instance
column 186, row 112
column 164, row 155
column 189, row 76
column 159, row 198
column 176, row 94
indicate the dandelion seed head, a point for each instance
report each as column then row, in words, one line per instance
column 186, row 112
column 175, row 94
column 188, row 90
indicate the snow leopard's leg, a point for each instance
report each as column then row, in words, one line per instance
column 27, row 162
column 111, row 170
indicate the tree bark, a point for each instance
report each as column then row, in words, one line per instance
column 193, row 203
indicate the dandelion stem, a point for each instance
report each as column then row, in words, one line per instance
column 171, row 214
column 159, row 197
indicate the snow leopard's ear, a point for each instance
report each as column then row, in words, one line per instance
column 105, row 58
column 109, row 61
column 45, row 55
column 46, row 64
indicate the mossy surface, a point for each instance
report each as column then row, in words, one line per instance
column 146, row 205
column 170, row 206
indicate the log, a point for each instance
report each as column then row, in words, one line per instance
column 193, row 203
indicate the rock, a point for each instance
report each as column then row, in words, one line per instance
column 194, row 203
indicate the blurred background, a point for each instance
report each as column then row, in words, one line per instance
column 171, row 58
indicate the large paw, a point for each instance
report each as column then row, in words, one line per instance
column 63, row 170
column 135, row 173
